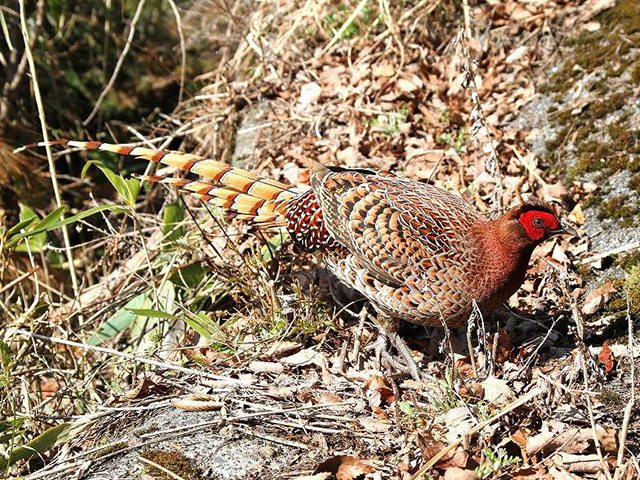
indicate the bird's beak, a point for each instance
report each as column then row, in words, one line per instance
column 564, row 229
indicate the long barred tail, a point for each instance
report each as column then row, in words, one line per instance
column 240, row 193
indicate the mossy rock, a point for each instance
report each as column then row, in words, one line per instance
column 602, row 138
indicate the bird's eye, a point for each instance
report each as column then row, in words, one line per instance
column 538, row 222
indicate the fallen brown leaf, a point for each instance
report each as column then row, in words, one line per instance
column 556, row 435
column 197, row 402
column 497, row 391
column 326, row 397
column 598, row 298
column 606, row 357
column 578, row 463
column 300, row 359
column 458, row 459
column 377, row 391
column 266, row 367
column 344, row 467
column 455, row 473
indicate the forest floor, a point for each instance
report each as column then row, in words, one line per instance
column 178, row 344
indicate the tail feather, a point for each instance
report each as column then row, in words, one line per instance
column 240, row 193
column 241, row 205
column 217, row 172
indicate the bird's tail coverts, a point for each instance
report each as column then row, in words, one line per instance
column 240, row 193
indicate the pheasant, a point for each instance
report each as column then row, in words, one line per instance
column 415, row 251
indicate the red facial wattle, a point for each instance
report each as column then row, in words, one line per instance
column 528, row 219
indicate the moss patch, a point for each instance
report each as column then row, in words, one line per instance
column 611, row 398
column 626, row 298
column 112, row 449
column 627, row 262
column 619, row 208
column 633, row 289
column 172, row 460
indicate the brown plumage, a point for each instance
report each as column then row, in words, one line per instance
column 416, row 251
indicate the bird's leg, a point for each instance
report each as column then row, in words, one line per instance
column 382, row 345
column 388, row 332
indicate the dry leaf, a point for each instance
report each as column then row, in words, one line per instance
column 375, row 425
column 554, row 190
column 457, row 459
column 606, row 357
column 591, row 26
column 556, row 435
column 317, row 476
column 409, row 85
column 282, row 392
column 378, row 391
column 326, row 397
column 459, row 423
column 598, row 298
column 577, row 215
column 559, row 256
column 517, row 54
column 519, row 437
column 291, row 171
column 473, row 390
column 591, row 8
column 344, row 467
column 279, row 349
column 429, row 446
column 49, row 387
column 300, row 359
column 349, row 156
column 266, row 367
column 577, row 463
column 148, row 382
column 497, row 391
column 530, row 473
column 197, row 402
column 309, row 94
column 505, row 348
column 455, row 473
column 384, row 70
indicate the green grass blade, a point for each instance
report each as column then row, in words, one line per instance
column 37, row 446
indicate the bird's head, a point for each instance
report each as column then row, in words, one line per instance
column 535, row 220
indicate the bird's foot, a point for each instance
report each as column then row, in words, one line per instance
column 409, row 365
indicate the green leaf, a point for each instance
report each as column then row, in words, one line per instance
column 148, row 327
column 173, row 215
column 127, row 188
column 20, row 225
column 37, row 241
column 37, row 446
column 13, row 428
column 151, row 313
column 62, row 223
column 188, row 276
column 271, row 246
column 6, row 358
column 120, row 321
column 205, row 326
column 406, row 408
column 51, row 218
column 11, row 423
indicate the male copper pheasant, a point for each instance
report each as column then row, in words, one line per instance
column 416, row 251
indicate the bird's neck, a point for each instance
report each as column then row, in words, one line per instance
column 504, row 255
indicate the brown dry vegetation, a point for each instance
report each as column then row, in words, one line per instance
column 165, row 299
